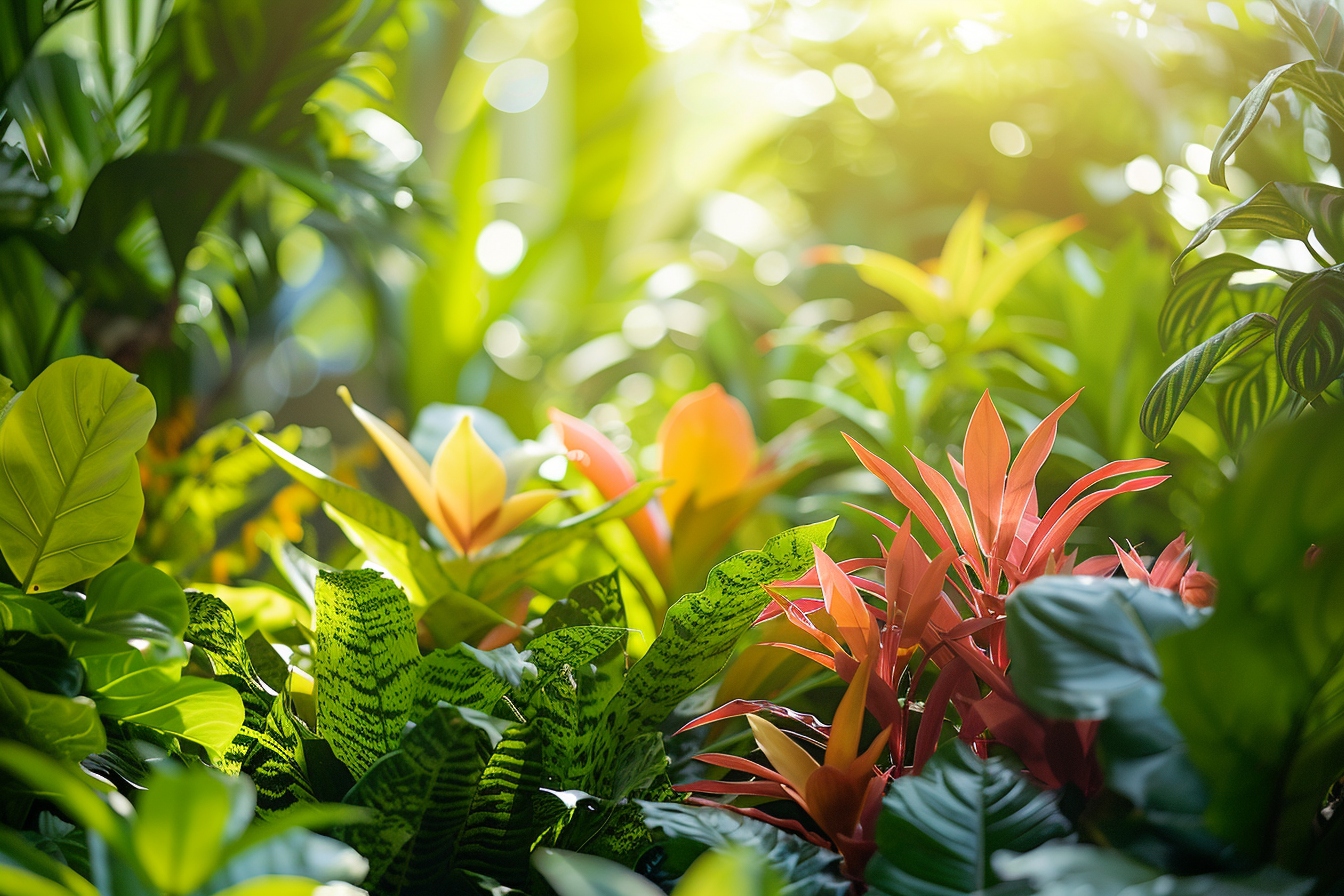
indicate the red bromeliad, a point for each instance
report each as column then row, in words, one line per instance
column 950, row 606
column 1172, row 570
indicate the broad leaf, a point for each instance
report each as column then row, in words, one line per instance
column 70, row 497
column 1258, row 692
column 805, row 868
column 182, row 822
column 698, row 636
column 1179, row 382
column 1199, row 294
column 939, row 829
column 365, row 664
column 65, row 727
column 576, row 874
column 1310, row 338
column 206, row 712
column 1061, row 869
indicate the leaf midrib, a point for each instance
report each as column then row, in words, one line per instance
column 41, row 547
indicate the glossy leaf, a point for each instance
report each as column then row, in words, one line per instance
column 70, row 496
column 938, row 830
column 1249, row 401
column 66, row 727
column 1199, row 294
column 1317, row 26
column 1179, row 382
column 1309, row 341
column 708, row 449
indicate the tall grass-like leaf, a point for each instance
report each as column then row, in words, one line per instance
column 939, row 830
column 1179, row 382
column 366, row 662
column 1310, row 338
column 70, row 496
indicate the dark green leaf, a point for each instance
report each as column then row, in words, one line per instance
column 1199, row 294
column 1179, row 382
column 1310, row 338
column 1258, row 692
column 1250, row 400
column 498, row 833
column 66, row 727
column 939, row 829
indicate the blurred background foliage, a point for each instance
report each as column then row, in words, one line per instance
column 601, row 205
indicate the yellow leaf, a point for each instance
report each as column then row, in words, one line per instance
column 516, row 510
column 847, row 726
column 469, row 480
column 709, row 449
column 964, row 251
column 405, row 460
column 789, row 759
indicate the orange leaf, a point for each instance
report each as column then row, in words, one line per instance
column 985, row 454
column 1059, row 533
column 956, row 514
column 709, row 449
column 903, row 491
column 845, row 606
column 517, row 510
column 1057, row 509
column 1022, row 476
column 925, row 600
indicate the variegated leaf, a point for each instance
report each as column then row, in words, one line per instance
column 212, row 629
column 1198, row 297
column 1251, row 399
column 1310, row 338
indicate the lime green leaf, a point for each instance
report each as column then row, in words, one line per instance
column 206, row 712
column 1179, row 382
column 24, row 857
column 366, row 510
column 1310, row 338
column 182, row 820
column 455, row 618
column 1258, row 692
column 366, row 661
column 70, row 496
column 697, row 639
column 964, row 252
column 66, row 727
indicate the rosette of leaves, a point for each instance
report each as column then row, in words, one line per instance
column 469, row 758
column 1276, row 345
column 191, row 831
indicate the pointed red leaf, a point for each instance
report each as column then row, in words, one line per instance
column 904, row 492
column 1105, row 471
column 985, row 455
column 1022, row 475
column 956, row 514
column 1058, row 534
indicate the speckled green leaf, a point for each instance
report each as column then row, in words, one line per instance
column 70, row 496
column 213, row 631
column 274, row 762
column 498, row 833
column 697, row 639
column 365, row 665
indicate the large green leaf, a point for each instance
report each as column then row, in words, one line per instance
column 698, row 636
column 183, row 819
column 576, row 874
column 1310, row 338
column 1064, row 869
column 70, row 497
column 365, row 664
column 421, row 793
column 805, row 868
column 939, row 829
column 1083, row 649
column 1179, row 382
column 206, row 712
column 1258, row 692
column 66, row 727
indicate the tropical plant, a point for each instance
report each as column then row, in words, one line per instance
column 715, row 474
column 1218, row 318
column 191, row 830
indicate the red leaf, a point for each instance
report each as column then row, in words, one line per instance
column 956, row 514
column 1022, row 476
column 1059, row 533
column 985, row 454
column 904, row 492
column 1105, row 471
column 734, row 708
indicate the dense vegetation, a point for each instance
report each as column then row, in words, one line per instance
column 518, row 447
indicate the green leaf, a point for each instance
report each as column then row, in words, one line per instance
column 698, row 636
column 455, row 618
column 1258, row 692
column 1265, row 211
column 1195, row 299
column 366, row 660
column 66, row 727
column 70, row 496
column 805, row 868
column 1083, row 649
column 71, row 795
column 421, row 793
column 206, row 712
column 1317, row 26
column 183, row 818
column 498, row 833
column 939, row 829
column 369, row 512
column 1179, row 382
column 1310, row 338
column 499, row 575
column 597, row 602
column 1057, row 869
column 1323, row 86
column 1249, row 401
column 576, row 874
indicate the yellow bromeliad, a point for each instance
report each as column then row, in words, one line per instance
column 464, row 491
